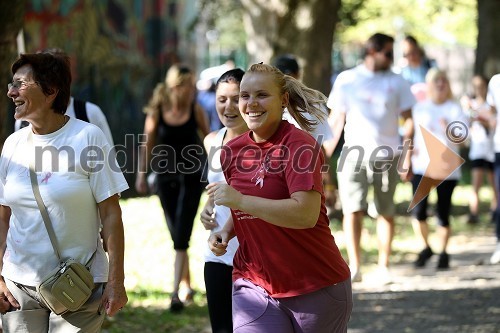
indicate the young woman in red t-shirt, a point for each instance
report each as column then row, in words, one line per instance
column 289, row 275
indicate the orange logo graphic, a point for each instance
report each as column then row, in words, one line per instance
column 443, row 160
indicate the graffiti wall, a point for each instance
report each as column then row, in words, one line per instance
column 119, row 49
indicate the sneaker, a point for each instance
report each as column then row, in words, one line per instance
column 176, row 304
column 189, row 299
column 444, row 261
column 356, row 276
column 383, row 275
column 423, row 257
column 473, row 219
column 495, row 258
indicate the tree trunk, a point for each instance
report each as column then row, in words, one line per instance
column 303, row 28
column 488, row 39
column 12, row 18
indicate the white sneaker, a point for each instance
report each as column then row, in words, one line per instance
column 383, row 275
column 356, row 276
column 495, row 258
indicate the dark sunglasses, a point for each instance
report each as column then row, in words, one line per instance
column 389, row 54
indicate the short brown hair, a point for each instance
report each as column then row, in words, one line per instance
column 377, row 42
column 52, row 72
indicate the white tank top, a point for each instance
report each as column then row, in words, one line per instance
column 222, row 213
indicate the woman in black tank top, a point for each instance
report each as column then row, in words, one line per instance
column 174, row 128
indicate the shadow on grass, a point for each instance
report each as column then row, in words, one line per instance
column 147, row 312
column 458, row 310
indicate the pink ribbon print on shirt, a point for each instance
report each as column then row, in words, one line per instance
column 46, row 178
column 259, row 176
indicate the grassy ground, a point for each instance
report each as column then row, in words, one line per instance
column 149, row 260
column 149, row 273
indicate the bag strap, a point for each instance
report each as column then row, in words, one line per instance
column 39, row 202
column 43, row 209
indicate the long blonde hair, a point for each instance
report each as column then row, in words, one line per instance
column 302, row 99
column 176, row 75
column 432, row 75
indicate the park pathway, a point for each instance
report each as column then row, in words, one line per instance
column 463, row 299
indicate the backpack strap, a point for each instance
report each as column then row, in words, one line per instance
column 80, row 110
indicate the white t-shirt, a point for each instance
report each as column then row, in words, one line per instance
column 222, row 213
column 70, row 189
column 321, row 132
column 434, row 118
column 493, row 99
column 372, row 103
column 481, row 140
column 94, row 113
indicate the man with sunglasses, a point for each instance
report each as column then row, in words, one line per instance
column 368, row 102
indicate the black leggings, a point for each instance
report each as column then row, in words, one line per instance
column 219, row 287
column 180, row 196
column 444, row 193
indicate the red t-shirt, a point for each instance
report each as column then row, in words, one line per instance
column 285, row 262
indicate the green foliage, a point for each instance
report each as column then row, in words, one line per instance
column 225, row 16
column 348, row 13
column 445, row 22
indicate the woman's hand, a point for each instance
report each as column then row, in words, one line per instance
column 207, row 216
column 114, row 298
column 217, row 242
column 7, row 301
column 224, row 195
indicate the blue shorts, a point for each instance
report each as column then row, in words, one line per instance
column 324, row 310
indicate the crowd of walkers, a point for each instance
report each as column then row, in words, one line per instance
column 258, row 146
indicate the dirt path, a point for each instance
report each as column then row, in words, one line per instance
column 465, row 298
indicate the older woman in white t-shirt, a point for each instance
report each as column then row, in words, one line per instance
column 79, row 182
column 434, row 115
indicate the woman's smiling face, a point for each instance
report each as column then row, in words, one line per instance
column 261, row 104
column 226, row 103
column 28, row 96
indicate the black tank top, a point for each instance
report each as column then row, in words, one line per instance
column 178, row 149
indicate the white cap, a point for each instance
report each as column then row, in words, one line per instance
column 210, row 76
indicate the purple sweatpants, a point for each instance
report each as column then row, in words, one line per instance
column 324, row 311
